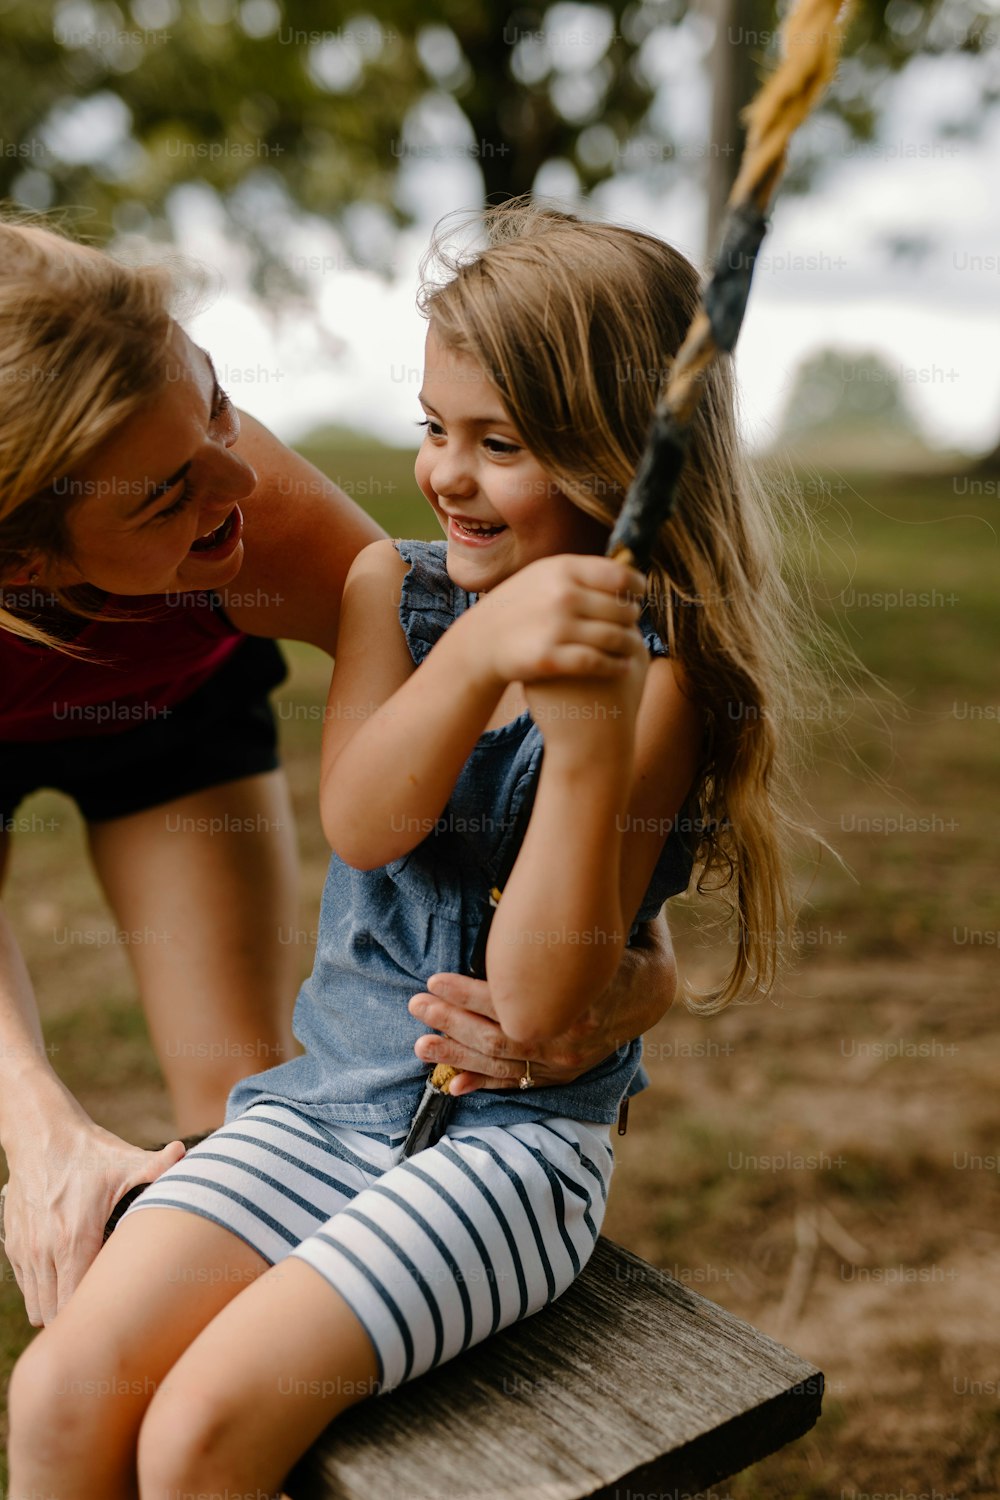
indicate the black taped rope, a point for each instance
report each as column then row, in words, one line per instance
column 651, row 495
column 725, row 298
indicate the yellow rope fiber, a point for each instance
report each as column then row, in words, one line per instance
column 811, row 39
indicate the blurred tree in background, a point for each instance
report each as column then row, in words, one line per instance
column 283, row 109
column 839, row 394
column 111, row 107
column 834, row 390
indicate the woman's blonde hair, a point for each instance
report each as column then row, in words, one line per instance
column 83, row 346
column 577, row 323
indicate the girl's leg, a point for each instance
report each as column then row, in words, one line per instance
column 79, row 1392
column 435, row 1255
column 255, row 1389
column 206, row 888
column 449, row 1247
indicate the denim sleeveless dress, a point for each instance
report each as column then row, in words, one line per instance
column 383, row 932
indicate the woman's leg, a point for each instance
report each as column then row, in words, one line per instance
column 79, row 1392
column 206, row 889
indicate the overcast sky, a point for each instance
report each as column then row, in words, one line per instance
column 825, row 277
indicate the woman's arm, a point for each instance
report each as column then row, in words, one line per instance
column 613, row 772
column 66, row 1173
column 302, row 534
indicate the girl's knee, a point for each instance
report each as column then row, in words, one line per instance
column 49, row 1391
column 34, row 1383
column 185, row 1443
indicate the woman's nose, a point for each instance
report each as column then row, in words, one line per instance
column 228, row 476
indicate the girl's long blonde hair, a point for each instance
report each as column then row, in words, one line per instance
column 83, row 346
column 577, row 324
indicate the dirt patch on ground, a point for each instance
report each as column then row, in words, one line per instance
column 845, row 1142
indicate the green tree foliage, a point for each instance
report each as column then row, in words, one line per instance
column 835, row 392
column 109, row 107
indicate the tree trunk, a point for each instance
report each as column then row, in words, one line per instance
column 515, row 131
column 734, row 78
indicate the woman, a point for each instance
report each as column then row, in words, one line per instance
column 149, row 536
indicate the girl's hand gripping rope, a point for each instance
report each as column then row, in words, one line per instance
column 567, row 616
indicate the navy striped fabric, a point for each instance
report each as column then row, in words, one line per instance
column 434, row 1253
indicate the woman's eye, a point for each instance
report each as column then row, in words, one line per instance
column 495, row 445
column 434, row 428
column 221, row 404
column 183, row 500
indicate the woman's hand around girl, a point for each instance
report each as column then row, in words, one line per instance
column 467, row 1034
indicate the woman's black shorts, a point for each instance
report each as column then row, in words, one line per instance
column 225, row 730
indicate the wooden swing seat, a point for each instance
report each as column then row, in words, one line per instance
column 631, row 1386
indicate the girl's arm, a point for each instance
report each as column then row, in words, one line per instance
column 472, row 1040
column 612, row 778
column 396, row 737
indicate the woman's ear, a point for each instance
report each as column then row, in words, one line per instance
column 30, row 572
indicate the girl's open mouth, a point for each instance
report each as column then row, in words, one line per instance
column 476, row 536
column 223, row 540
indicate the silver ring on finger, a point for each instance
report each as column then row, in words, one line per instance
column 526, row 1081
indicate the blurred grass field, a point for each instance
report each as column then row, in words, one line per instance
column 824, row 1164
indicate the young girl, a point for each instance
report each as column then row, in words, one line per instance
column 457, row 659
column 154, row 542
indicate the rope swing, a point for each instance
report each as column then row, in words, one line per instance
column 811, row 38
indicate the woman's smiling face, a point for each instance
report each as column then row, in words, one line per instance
column 168, row 477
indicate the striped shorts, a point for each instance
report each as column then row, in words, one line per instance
column 432, row 1254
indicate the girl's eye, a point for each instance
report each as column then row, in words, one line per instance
column 496, row 446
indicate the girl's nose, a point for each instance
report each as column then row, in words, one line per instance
column 451, row 474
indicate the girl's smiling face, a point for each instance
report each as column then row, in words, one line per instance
column 168, row 477
column 498, row 507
